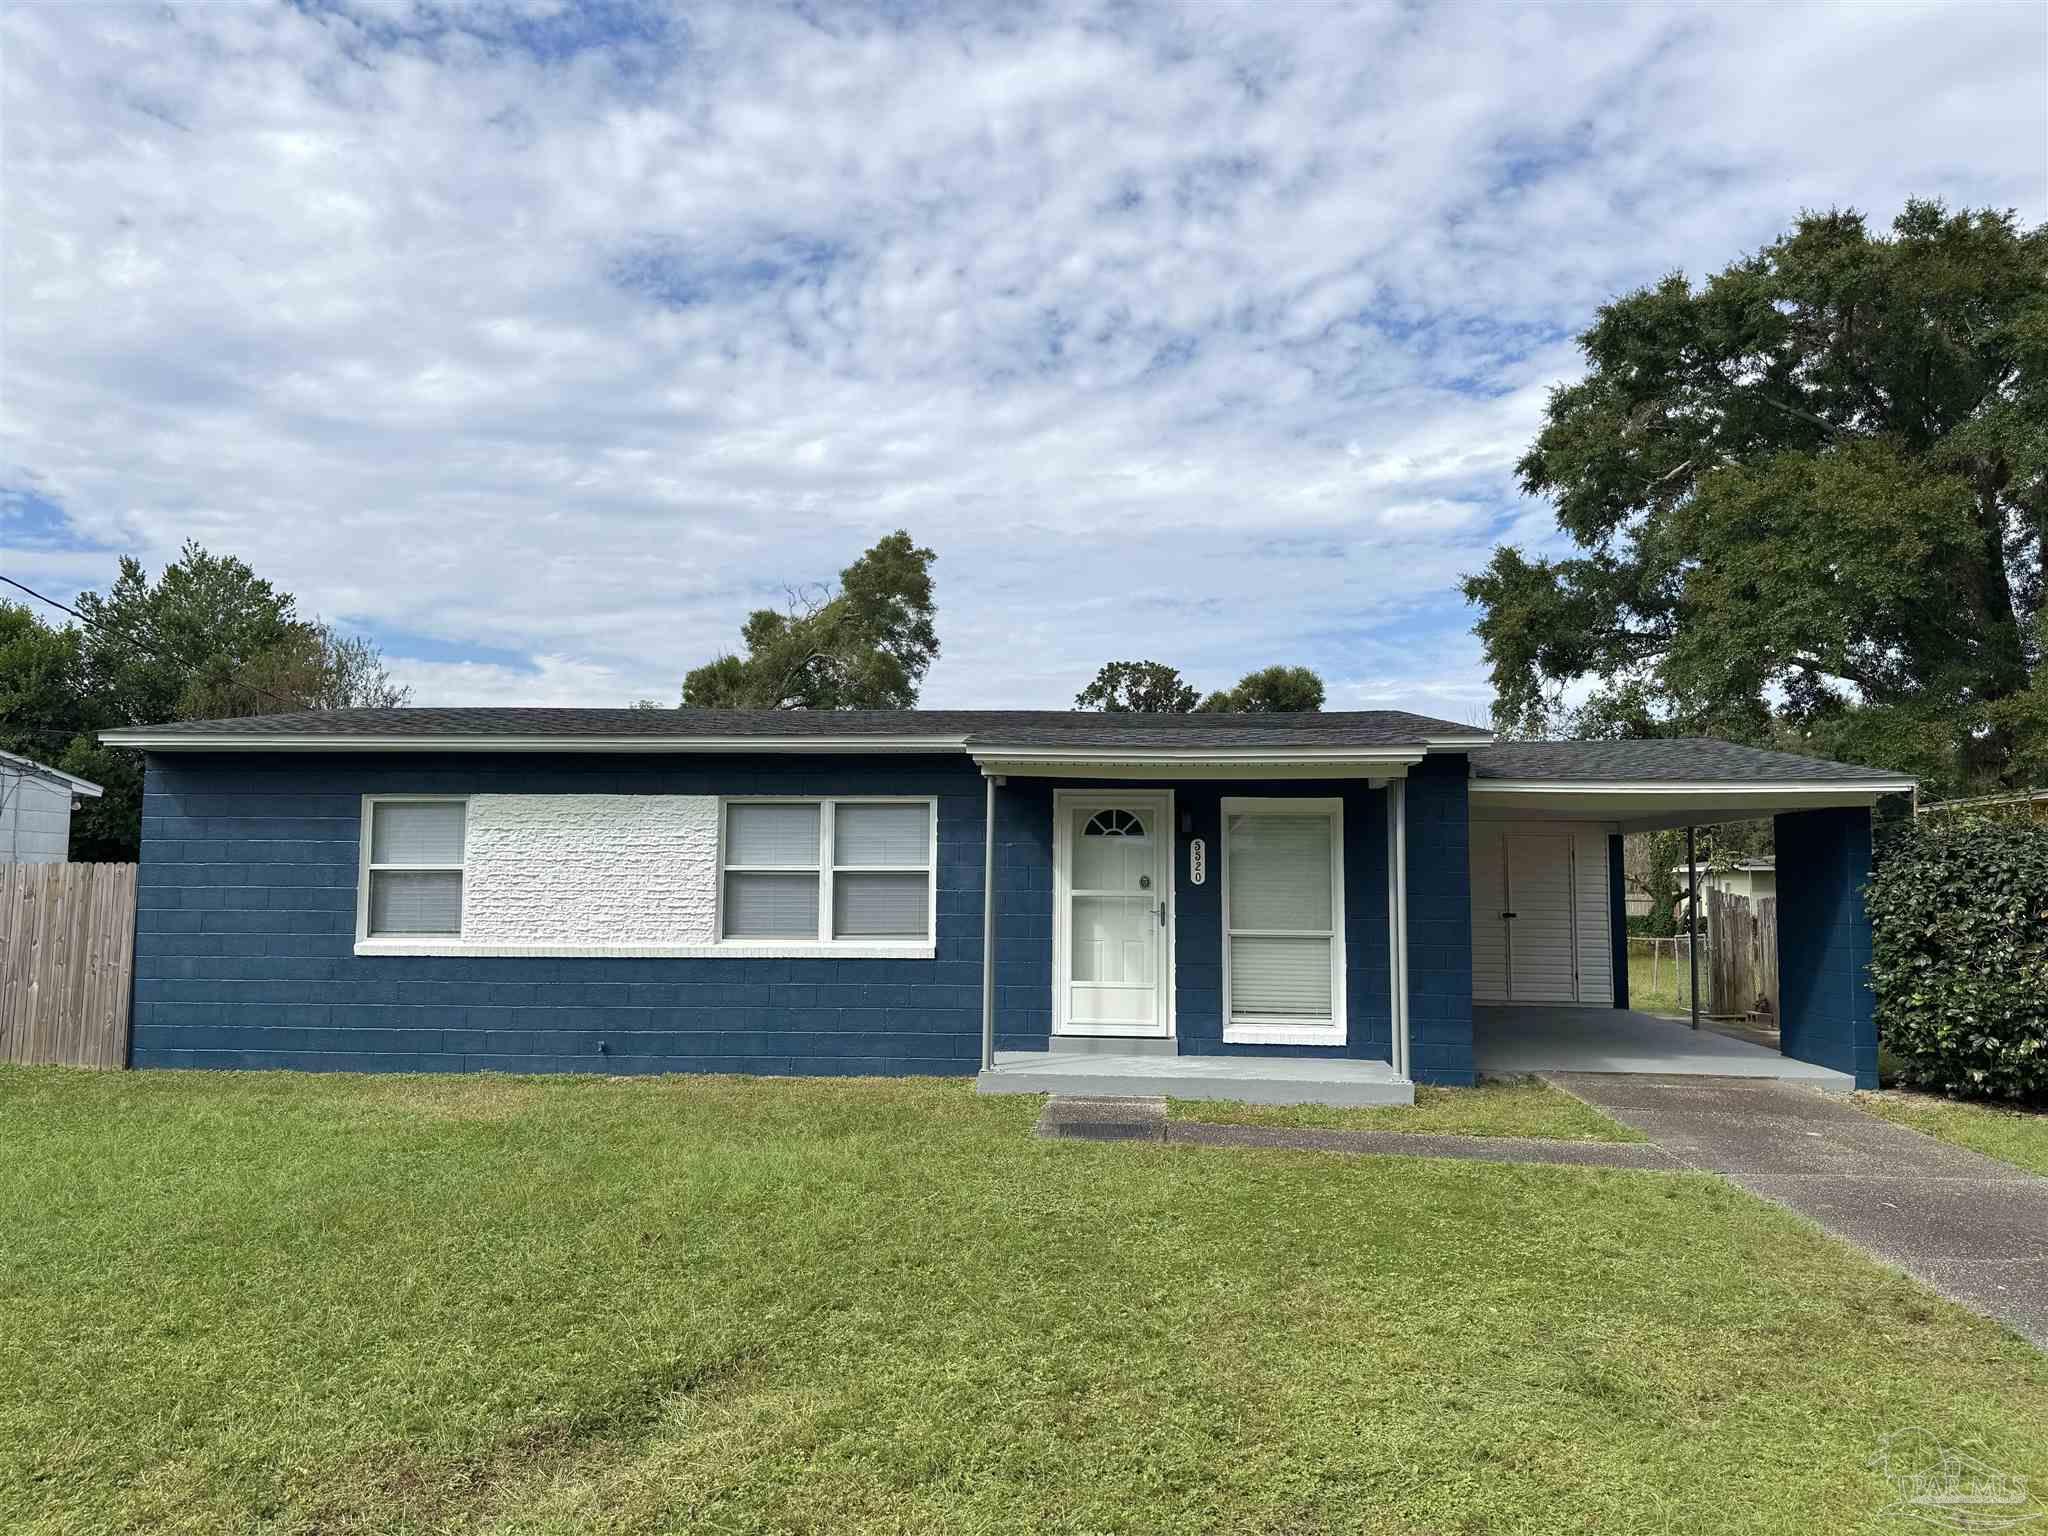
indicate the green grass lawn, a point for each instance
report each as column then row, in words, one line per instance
column 1661, row 986
column 293, row 1304
column 1520, row 1106
column 2010, row 1135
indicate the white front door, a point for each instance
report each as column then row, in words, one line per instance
column 1114, row 868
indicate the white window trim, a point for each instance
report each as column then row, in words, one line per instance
column 827, row 871
column 409, row 943
column 1266, row 1030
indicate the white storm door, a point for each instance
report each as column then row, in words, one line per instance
column 1115, row 864
column 1542, row 951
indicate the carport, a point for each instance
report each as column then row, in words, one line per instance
column 1549, row 940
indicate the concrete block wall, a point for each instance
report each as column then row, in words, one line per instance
column 245, row 934
column 247, row 901
column 1439, row 922
column 1827, row 1012
column 1198, row 938
column 1024, row 914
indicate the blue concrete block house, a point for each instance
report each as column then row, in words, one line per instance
column 1278, row 907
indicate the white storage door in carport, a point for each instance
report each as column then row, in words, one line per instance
column 1540, row 921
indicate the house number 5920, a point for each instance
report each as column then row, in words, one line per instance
column 1198, row 861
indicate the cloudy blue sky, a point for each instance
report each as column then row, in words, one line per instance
column 542, row 341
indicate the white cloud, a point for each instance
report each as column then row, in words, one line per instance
column 552, row 680
column 1209, row 336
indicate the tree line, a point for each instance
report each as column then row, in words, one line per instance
column 868, row 643
column 207, row 639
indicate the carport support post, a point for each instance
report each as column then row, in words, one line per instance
column 1692, row 918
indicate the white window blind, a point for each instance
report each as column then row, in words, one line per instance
column 772, row 834
column 874, row 906
column 1279, row 978
column 882, row 834
column 1282, row 914
column 881, row 875
column 405, row 901
column 417, row 831
column 415, row 868
column 869, row 862
column 763, row 905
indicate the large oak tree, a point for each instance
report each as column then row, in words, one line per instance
column 1808, row 499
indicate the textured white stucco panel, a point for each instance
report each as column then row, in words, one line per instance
column 591, row 870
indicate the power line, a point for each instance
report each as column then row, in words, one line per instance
column 145, row 648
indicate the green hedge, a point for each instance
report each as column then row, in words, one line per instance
column 1959, row 912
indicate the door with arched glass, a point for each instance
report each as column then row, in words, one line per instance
column 1113, row 914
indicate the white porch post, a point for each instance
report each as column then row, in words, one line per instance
column 1397, row 918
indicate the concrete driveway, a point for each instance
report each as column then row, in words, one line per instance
column 1973, row 1229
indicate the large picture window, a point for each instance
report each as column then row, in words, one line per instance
column 412, row 868
column 1283, row 915
column 827, row 869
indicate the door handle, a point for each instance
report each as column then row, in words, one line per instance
column 1162, row 914
column 1507, row 914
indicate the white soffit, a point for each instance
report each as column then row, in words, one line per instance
column 1364, row 763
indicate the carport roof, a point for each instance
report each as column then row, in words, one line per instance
column 1673, row 760
column 1641, row 786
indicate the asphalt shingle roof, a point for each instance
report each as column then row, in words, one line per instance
column 977, row 727
column 1672, row 760
column 1692, row 759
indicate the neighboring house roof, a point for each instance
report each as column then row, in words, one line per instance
column 1668, row 760
column 11, row 764
column 1734, row 866
column 957, row 729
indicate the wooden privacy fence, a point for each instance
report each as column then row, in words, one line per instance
column 67, row 949
column 1741, row 957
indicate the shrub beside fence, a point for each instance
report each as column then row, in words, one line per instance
column 1959, row 916
column 67, row 951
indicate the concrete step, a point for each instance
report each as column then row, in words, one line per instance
column 1246, row 1079
column 1111, row 1045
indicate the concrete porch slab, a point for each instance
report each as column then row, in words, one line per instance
column 1525, row 1038
column 1244, row 1079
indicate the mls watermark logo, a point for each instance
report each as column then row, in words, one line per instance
column 1949, row 1489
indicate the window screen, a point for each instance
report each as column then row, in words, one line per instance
column 416, row 849
column 877, row 878
column 1282, row 913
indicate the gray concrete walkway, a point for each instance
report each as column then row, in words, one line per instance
column 1973, row 1229
column 1083, row 1118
